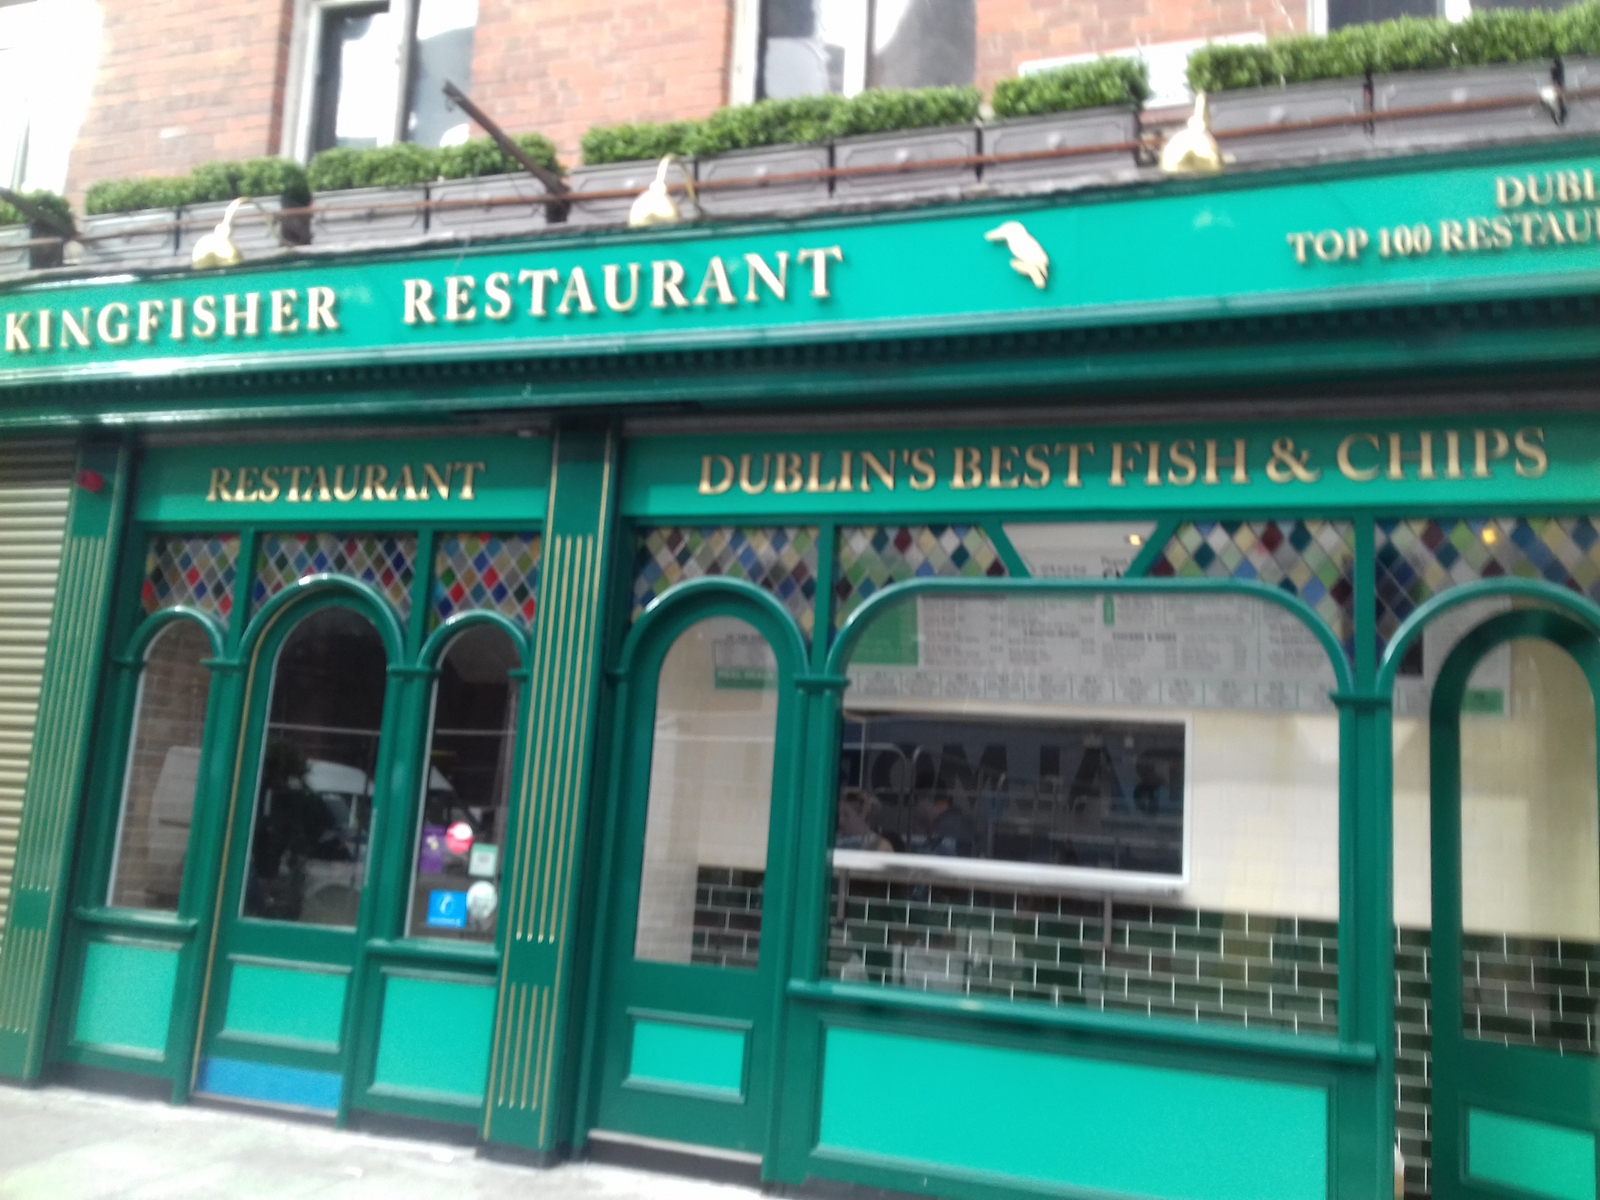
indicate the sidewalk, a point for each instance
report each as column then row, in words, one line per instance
column 59, row 1144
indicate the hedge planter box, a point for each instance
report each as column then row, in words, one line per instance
column 1062, row 131
column 1415, row 89
column 148, row 238
column 16, row 257
column 369, row 217
column 630, row 176
column 1254, row 107
column 760, row 164
column 466, row 211
column 257, row 232
column 902, row 147
column 1583, row 113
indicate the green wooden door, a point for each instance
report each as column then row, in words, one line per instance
column 1516, row 912
column 695, row 943
column 294, row 901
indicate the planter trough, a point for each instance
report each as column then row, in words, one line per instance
column 632, row 176
column 1583, row 113
column 466, row 212
column 759, row 164
column 1416, row 89
column 16, row 258
column 1062, row 131
column 1255, row 107
column 369, row 217
column 148, row 238
column 901, row 147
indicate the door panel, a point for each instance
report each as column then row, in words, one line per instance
column 693, row 971
column 276, row 1028
column 1516, row 911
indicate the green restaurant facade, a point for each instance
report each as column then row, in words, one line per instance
column 821, row 695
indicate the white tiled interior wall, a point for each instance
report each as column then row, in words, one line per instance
column 1530, row 834
column 710, row 786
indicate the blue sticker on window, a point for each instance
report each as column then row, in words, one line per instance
column 447, row 910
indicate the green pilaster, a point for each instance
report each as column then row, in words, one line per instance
column 530, row 1067
column 59, row 761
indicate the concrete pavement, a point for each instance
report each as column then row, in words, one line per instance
column 61, row 1144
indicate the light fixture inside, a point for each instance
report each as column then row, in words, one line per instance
column 1135, row 539
column 1491, row 535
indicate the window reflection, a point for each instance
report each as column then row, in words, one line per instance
column 456, row 883
column 163, row 770
column 313, row 816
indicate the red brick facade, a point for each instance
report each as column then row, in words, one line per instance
column 183, row 82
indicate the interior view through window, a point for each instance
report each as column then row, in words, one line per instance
column 840, row 47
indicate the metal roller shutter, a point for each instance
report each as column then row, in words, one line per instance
column 35, row 485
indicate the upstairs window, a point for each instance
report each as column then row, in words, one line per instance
column 373, row 73
column 841, row 47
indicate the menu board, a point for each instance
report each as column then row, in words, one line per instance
column 1176, row 651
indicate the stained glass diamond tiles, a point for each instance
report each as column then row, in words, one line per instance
column 1418, row 559
column 1313, row 559
column 873, row 556
column 485, row 570
column 781, row 559
column 196, row 571
column 385, row 560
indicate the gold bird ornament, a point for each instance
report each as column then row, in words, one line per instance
column 216, row 249
column 1027, row 256
column 1192, row 150
column 654, row 205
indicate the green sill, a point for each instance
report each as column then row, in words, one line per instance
column 136, row 920
column 1148, row 1029
column 424, row 950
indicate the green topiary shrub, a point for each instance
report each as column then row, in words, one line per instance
column 628, row 143
column 1577, row 30
column 1224, row 68
column 1303, row 59
column 884, row 110
column 1410, row 44
column 133, row 195
column 1095, row 84
column 801, row 120
column 48, row 202
column 259, row 177
column 484, row 157
column 1505, row 35
column 399, row 165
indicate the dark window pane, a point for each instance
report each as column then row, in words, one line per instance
column 163, row 770
column 1361, row 12
column 313, row 814
column 923, row 43
column 461, row 837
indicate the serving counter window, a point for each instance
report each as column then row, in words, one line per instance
column 1123, row 801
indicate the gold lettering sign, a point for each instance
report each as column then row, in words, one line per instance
column 1360, row 456
column 344, row 482
column 281, row 312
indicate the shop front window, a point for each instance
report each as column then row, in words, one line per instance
column 839, row 47
column 705, row 842
column 455, row 890
column 313, row 813
column 163, row 770
column 1127, row 802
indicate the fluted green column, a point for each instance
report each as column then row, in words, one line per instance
column 53, row 796
column 529, row 1063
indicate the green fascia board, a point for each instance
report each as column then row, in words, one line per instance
column 1172, row 251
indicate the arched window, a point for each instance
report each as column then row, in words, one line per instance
column 455, row 890
column 163, row 770
column 313, row 817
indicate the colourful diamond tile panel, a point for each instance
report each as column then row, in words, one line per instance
column 387, row 561
column 1418, row 559
column 1315, row 560
column 781, row 559
column 485, row 570
column 197, row 572
column 873, row 556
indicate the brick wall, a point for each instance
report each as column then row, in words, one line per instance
column 561, row 66
column 182, row 82
column 1011, row 32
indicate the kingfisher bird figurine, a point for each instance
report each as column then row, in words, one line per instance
column 654, row 205
column 1027, row 256
column 216, row 249
column 1193, row 150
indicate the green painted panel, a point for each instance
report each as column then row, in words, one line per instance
column 435, row 1036
column 281, row 1002
column 1531, row 1156
column 1175, row 250
column 126, row 998
column 692, row 1056
column 1073, row 1122
column 1505, row 460
column 321, row 485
